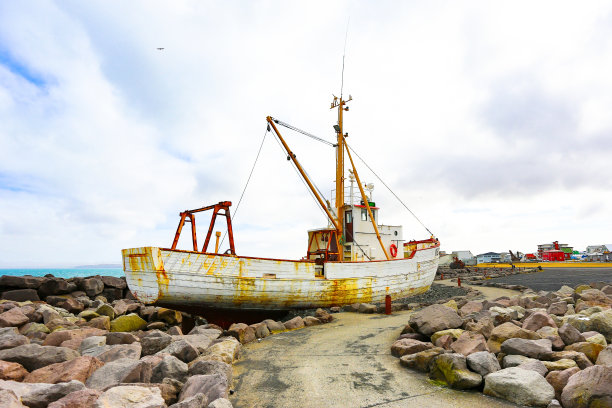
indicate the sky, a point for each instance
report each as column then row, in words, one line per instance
column 491, row 121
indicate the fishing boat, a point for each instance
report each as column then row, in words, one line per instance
column 353, row 259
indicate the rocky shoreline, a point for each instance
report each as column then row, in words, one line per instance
column 544, row 349
column 87, row 342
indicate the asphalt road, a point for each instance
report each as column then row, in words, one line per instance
column 552, row 279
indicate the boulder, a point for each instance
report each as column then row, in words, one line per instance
column 30, row 329
column 124, row 370
column 8, row 399
column 591, row 350
column 92, row 286
column 558, row 379
column 196, row 401
column 470, row 307
column 120, row 338
column 102, row 322
column 182, row 349
column 220, row 403
column 274, row 327
column 79, row 368
column 106, row 310
column 323, row 316
column 507, row 331
column 453, row 333
column 409, row 346
column 113, row 282
column 78, row 399
column 154, row 341
column 558, row 365
column 469, row 342
column 127, row 323
column 226, row 350
column 13, row 318
column 243, row 333
column 557, row 308
column 169, row 367
column 213, row 386
column 483, row 363
column 205, row 330
column 580, row 358
column 602, row 323
column 199, row 341
column 570, row 335
column 296, row 323
column 452, row 370
column 112, row 294
column 514, row 360
column 41, row 395
column 12, row 371
column 367, row 308
column 11, row 340
column 91, row 342
column 596, row 338
column 539, row 349
column 156, row 326
column 534, row 365
column 435, row 318
column 120, row 307
column 34, row 356
column 261, row 330
column 120, row 351
column 205, row 367
column 589, row 388
column 131, row 396
column 311, row 321
column 421, row 361
column 55, row 286
column 21, row 282
column 523, row 387
column 537, row 320
column 21, row 295
column 604, row 357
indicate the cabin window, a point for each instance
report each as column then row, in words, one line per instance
column 395, row 232
column 349, row 217
column 364, row 215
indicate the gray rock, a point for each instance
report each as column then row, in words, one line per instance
column 154, row 341
column 92, row 286
column 274, row 327
column 452, row 369
column 201, row 342
column 21, row 282
column 483, row 363
column 182, row 349
column 534, row 365
column 554, row 404
column 113, row 282
column 119, row 351
column 34, row 356
column 131, row 396
column 205, row 331
column 296, row 323
column 21, row 295
column 40, row 395
column 213, row 386
column 91, row 342
column 605, row 356
column 11, row 340
column 124, row 370
column 539, row 349
column 367, row 308
column 120, row 338
column 220, row 403
column 205, row 367
column 523, row 387
column 435, row 318
column 514, row 360
column 196, row 401
column 570, row 335
column 169, row 367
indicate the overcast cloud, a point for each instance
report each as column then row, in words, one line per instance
column 491, row 120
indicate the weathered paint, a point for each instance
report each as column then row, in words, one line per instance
column 225, row 281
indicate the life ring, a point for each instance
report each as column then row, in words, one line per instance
column 393, row 250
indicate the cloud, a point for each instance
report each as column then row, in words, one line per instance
column 476, row 114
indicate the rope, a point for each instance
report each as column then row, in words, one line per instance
column 288, row 126
column 247, row 182
column 388, row 188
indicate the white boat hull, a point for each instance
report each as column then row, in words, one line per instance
column 191, row 279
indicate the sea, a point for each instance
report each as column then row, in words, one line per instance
column 64, row 272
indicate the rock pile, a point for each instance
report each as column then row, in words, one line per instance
column 482, row 276
column 91, row 344
column 545, row 349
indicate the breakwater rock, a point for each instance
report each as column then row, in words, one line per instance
column 88, row 342
column 544, row 349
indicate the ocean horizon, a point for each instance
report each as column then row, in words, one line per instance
column 63, row 272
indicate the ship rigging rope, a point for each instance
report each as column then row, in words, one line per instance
column 388, row 188
column 288, row 126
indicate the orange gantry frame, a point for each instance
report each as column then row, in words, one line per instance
column 188, row 216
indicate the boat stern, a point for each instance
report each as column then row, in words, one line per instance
column 144, row 272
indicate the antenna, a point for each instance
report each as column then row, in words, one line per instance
column 344, row 55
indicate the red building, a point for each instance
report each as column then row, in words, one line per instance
column 553, row 255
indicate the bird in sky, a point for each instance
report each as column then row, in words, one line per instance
column 160, row 48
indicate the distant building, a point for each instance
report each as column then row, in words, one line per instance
column 488, row 257
column 505, row 257
column 599, row 253
column 466, row 256
column 555, row 246
column 554, row 255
